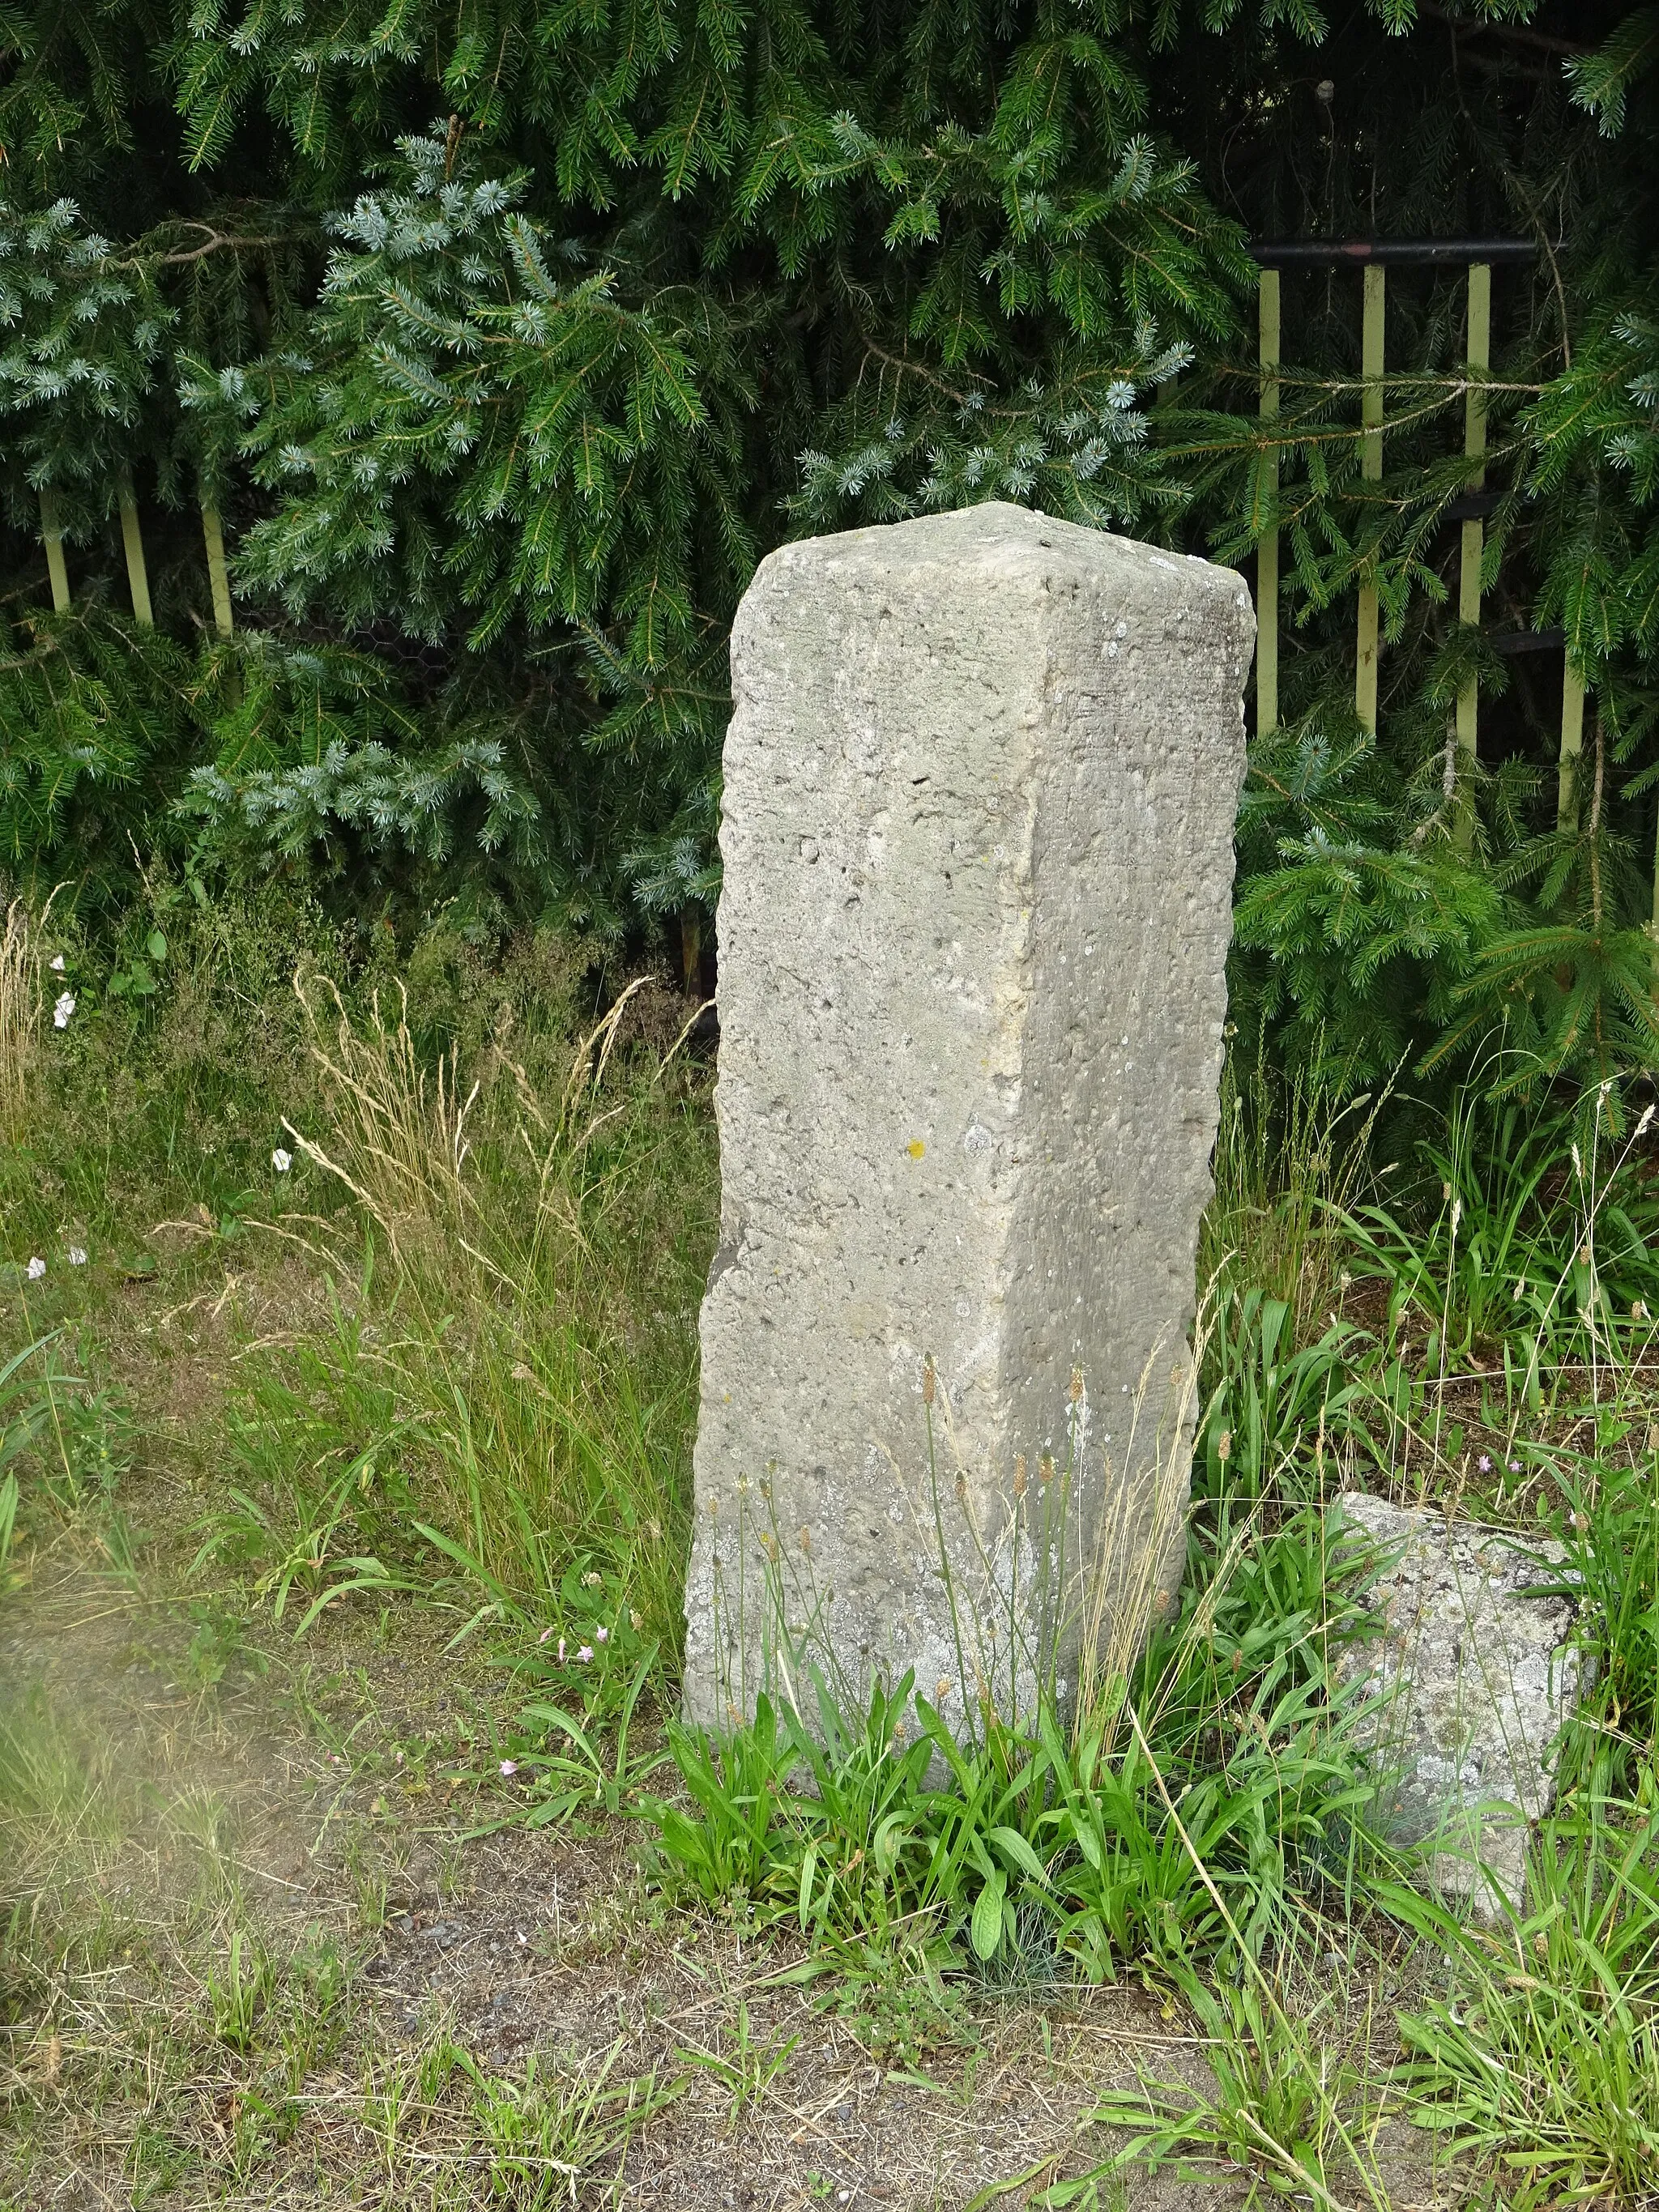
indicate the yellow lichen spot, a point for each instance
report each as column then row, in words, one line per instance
column 915, row 1148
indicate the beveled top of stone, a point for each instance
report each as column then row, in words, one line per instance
column 1000, row 536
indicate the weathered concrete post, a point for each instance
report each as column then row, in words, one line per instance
column 977, row 830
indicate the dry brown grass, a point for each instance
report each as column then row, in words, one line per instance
column 398, row 1137
column 21, row 1007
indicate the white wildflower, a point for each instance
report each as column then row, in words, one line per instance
column 62, row 1009
column 509, row 1766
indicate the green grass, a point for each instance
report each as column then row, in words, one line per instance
column 1043, row 1849
column 495, row 1375
column 1541, row 2059
column 432, row 1388
column 1291, row 2107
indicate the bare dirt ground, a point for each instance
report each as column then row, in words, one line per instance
column 327, row 1799
column 265, row 1941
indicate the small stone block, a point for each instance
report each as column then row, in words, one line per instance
column 1470, row 1684
column 978, row 832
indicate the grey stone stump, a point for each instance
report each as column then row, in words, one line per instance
column 978, row 832
column 1465, row 1694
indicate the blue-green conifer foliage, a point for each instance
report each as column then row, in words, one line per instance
column 506, row 339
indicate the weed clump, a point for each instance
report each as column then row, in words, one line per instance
column 886, row 1827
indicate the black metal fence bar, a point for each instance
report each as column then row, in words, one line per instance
column 1388, row 252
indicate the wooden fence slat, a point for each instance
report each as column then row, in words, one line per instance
column 132, row 540
column 1267, row 552
column 1474, row 539
column 1370, row 469
column 1572, row 745
column 218, row 574
column 57, row 568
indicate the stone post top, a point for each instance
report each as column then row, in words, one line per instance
column 997, row 536
column 977, row 819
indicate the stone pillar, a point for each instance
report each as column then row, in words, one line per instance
column 977, row 833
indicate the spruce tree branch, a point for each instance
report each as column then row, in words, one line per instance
column 214, row 242
column 1451, row 387
column 1516, row 33
column 218, row 242
column 1294, row 441
column 904, row 366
